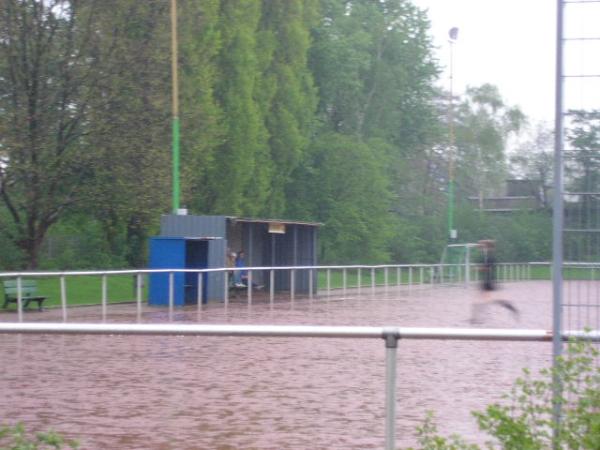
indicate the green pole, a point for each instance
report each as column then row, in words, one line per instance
column 175, row 84
column 175, row 164
column 450, row 207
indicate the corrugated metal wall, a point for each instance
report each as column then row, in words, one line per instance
column 193, row 226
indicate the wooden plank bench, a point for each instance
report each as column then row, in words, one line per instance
column 28, row 293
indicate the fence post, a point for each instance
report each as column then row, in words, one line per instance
column 271, row 287
column 104, row 297
column 63, row 297
column 20, row 298
column 373, row 279
column 310, row 284
column 391, row 346
column 200, row 290
column 292, row 284
column 171, row 294
column 225, row 286
column 249, row 288
column 344, row 282
column 468, row 267
column 138, row 296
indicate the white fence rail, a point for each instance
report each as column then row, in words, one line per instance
column 390, row 275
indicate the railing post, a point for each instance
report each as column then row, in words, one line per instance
column 344, row 281
column 292, row 284
column 104, row 297
column 310, row 284
column 468, row 267
column 421, row 275
column 200, row 293
column 249, row 288
column 373, row 279
column 359, row 281
column 20, row 298
column 171, row 294
column 410, row 276
column 398, row 276
column 385, row 277
column 138, row 296
column 63, row 297
column 328, row 282
column 271, row 287
column 226, row 287
column 391, row 346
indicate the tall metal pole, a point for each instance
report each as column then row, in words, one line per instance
column 453, row 33
column 558, row 215
column 175, row 94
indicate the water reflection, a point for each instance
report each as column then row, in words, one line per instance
column 131, row 392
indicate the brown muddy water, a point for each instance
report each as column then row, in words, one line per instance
column 144, row 392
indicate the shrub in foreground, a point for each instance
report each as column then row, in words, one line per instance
column 16, row 438
column 524, row 421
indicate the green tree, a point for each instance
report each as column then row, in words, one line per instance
column 343, row 185
column 203, row 126
column 373, row 65
column 50, row 60
column 127, row 183
column 483, row 124
column 240, row 179
column 533, row 160
column 287, row 92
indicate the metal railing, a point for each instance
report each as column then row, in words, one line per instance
column 388, row 275
column 390, row 335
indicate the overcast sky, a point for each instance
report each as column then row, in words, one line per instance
column 511, row 43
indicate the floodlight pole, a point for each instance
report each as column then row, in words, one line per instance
column 558, row 217
column 453, row 33
column 175, row 95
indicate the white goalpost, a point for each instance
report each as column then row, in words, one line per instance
column 457, row 263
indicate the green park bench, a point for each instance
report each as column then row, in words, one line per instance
column 28, row 293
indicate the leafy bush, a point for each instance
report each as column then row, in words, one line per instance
column 525, row 420
column 16, row 438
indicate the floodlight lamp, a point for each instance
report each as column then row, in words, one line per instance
column 453, row 33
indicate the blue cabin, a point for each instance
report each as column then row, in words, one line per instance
column 192, row 242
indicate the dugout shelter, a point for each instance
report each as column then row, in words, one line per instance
column 191, row 242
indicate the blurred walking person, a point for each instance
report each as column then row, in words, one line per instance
column 487, row 269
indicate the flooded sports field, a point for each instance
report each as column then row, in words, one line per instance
column 145, row 392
